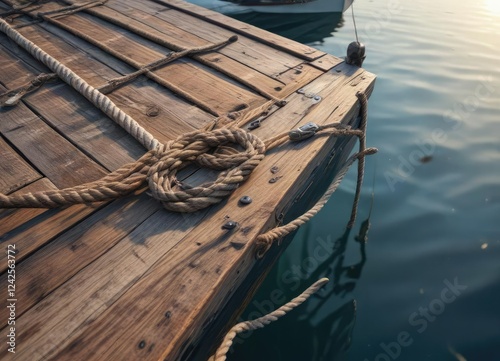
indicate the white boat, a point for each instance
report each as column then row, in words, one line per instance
column 275, row 6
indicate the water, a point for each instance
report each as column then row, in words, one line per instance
column 426, row 285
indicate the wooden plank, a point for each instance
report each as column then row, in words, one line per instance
column 85, row 126
column 326, row 62
column 145, row 92
column 40, row 230
column 15, row 172
column 300, row 50
column 132, row 47
column 223, row 96
column 124, row 13
column 173, row 117
column 76, row 249
column 88, row 70
column 72, row 115
column 210, row 261
column 297, row 78
column 54, row 156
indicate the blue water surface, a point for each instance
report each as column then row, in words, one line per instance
column 426, row 283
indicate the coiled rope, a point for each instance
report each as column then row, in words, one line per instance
column 220, row 354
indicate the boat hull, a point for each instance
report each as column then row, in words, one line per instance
column 314, row 6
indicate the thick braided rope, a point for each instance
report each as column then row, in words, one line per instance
column 220, row 354
column 94, row 96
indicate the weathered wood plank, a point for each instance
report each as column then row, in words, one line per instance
column 74, row 117
column 111, row 275
column 326, row 62
column 129, row 45
column 297, row 77
column 75, row 249
column 209, row 260
column 40, row 230
column 222, row 96
column 87, row 67
column 15, row 172
column 50, row 153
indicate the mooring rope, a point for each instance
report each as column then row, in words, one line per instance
column 159, row 166
column 220, row 354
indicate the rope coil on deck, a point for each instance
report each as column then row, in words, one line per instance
column 159, row 166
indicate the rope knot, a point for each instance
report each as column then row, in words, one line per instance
column 211, row 150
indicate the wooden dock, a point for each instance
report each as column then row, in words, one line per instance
column 127, row 279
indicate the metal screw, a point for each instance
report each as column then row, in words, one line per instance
column 229, row 225
column 245, row 200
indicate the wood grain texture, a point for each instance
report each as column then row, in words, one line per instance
column 76, row 249
column 16, row 173
column 53, row 155
column 326, row 62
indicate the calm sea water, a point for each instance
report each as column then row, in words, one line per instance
column 426, row 285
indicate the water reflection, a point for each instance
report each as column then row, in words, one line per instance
column 325, row 325
column 304, row 28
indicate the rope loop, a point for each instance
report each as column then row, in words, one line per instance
column 209, row 150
